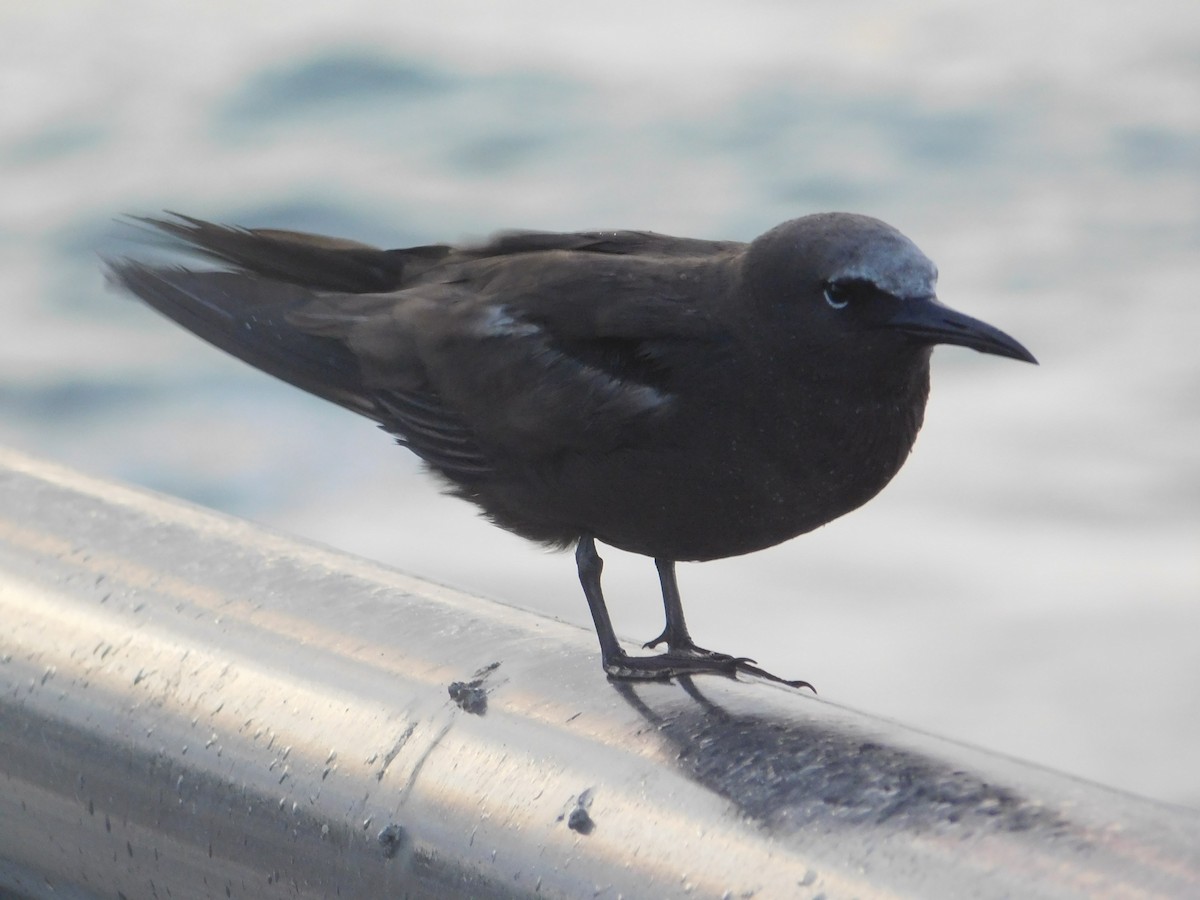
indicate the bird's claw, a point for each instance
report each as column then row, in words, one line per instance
column 762, row 673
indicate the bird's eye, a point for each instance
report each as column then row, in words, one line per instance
column 836, row 295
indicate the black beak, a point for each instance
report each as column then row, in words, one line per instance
column 929, row 322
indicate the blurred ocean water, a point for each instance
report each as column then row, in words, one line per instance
column 1031, row 580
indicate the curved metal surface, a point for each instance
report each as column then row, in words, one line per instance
column 193, row 707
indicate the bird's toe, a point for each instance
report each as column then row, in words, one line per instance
column 694, row 661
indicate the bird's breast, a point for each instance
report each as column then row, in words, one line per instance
column 732, row 481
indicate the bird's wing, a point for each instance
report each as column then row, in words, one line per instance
column 335, row 264
column 537, row 362
column 611, row 243
column 529, row 346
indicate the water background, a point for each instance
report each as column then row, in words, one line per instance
column 1031, row 580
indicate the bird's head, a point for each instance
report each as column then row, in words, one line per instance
column 838, row 280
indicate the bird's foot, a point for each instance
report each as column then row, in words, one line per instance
column 687, row 647
column 691, row 660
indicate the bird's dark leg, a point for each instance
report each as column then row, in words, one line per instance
column 682, row 658
column 590, row 565
column 617, row 663
column 676, row 634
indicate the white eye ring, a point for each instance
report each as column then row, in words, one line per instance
column 836, row 304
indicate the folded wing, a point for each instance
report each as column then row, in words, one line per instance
column 477, row 359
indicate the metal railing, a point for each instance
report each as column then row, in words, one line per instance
column 191, row 706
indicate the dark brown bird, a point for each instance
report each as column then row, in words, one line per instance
column 682, row 399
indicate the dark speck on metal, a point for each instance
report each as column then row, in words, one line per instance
column 392, row 840
column 471, row 696
column 578, row 818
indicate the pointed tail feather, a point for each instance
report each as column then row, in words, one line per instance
column 247, row 317
column 311, row 260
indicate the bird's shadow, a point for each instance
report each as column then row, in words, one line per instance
column 791, row 772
